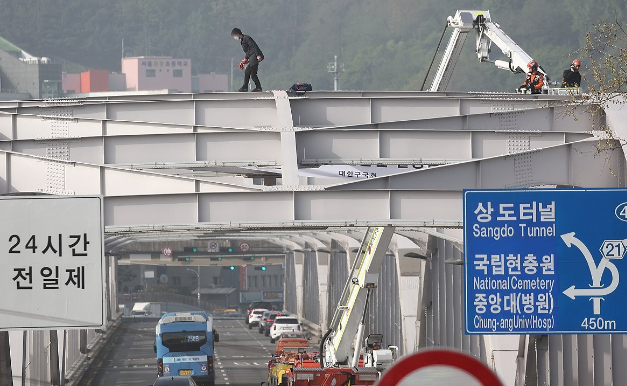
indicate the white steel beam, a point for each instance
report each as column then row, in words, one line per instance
column 573, row 164
column 163, row 152
column 423, row 198
column 326, row 110
column 285, row 124
column 492, row 118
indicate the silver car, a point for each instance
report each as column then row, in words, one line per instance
column 175, row 381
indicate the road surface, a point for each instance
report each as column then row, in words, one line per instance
column 241, row 356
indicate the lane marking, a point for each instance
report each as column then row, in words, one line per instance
column 253, row 359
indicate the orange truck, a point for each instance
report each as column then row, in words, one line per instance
column 281, row 367
column 301, row 367
column 291, row 341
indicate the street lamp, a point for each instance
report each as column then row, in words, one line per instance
column 197, row 281
column 336, row 69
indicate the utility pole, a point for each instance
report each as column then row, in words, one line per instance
column 231, row 89
column 198, row 282
column 336, row 69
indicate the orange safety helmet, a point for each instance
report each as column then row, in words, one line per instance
column 533, row 64
column 576, row 63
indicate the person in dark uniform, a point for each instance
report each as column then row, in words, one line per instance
column 572, row 76
column 253, row 56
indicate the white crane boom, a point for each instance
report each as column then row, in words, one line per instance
column 486, row 33
column 346, row 326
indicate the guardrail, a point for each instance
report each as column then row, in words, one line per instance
column 312, row 330
column 81, row 367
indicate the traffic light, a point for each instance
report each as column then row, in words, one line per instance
column 249, row 258
column 232, row 268
column 262, row 268
column 190, row 249
column 183, row 259
column 219, row 258
column 226, row 249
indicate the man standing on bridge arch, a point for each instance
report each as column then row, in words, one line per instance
column 252, row 58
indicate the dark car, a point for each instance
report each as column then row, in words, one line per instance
column 270, row 322
column 174, row 381
column 264, row 320
column 253, row 305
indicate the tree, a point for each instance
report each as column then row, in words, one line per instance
column 604, row 54
column 384, row 44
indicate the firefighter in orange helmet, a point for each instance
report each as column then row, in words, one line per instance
column 572, row 77
column 534, row 80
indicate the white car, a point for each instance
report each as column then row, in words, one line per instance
column 255, row 317
column 283, row 324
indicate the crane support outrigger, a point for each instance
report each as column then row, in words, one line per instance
column 487, row 33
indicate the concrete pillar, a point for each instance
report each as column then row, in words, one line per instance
column 409, row 271
column 299, row 265
column 602, row 349
column 6, row 375
column 113, row 288
column 322, row 264
column 542, row 359
column 426, row 319
column 586, row 359
column 351, row 254
column 82, row 341
column 37, row 370
column 55, row 377
column 107, row 288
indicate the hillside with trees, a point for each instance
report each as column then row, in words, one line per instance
column 384, row 44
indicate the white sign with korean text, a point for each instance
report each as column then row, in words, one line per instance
column 52, row 273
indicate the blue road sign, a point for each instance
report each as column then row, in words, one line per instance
column 545, row 261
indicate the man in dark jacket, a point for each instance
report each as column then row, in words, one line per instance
column 253, row 56
column 572, row 76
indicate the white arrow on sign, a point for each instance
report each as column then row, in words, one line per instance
column 569, row 240
column 571, row 292
column 595, row 271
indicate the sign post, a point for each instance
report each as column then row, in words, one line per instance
column 545, row 261
column 52, row 274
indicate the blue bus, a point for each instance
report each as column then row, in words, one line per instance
column 184, row 346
